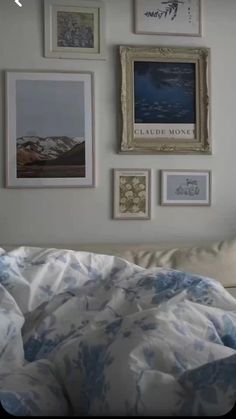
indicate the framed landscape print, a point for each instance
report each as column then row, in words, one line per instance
column 49, row 129
column 173, row 17
column 132, row 194
column 74, row 29
column 185, row 187
column 165, row 100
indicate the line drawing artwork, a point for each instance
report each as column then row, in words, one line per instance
column 170, row 8
column 189, row 188
column 178, row 188
column 18, row 3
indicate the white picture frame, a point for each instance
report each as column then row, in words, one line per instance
column 186, row 187
column 49, row 129
column 74, row 29
column 158, row 17
column 132, row 194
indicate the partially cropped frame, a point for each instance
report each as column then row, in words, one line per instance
column 132, row 188
column 165, row 100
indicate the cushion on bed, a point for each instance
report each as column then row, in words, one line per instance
column 216, row 260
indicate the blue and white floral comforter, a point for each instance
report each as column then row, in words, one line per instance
column 88, row 334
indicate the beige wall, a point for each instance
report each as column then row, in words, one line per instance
column 45, row 216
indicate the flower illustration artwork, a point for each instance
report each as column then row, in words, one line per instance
column 75, row 30
column 132, row 194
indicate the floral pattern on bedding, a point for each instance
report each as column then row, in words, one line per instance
column 89, row 334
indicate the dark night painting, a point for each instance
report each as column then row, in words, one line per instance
column 165, row 92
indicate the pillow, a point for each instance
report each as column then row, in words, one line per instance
column 216, row 260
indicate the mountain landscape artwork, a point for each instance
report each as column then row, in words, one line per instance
column 50, row 157
column 50, row 133
column 50, row 127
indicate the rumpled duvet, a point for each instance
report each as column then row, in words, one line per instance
column 89, row 334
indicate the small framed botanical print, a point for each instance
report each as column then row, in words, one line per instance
column 74, row 29
column 132, row 194
column 185, row 187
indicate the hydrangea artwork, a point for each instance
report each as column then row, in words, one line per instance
column 75, row 30
column 131, row 194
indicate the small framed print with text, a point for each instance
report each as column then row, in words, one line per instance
column 186, row 187
column 168, row 17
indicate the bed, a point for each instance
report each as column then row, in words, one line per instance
column 118, row 330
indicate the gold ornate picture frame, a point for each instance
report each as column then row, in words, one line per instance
column 165, row 100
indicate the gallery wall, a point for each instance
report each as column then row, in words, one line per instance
column 84, row 215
